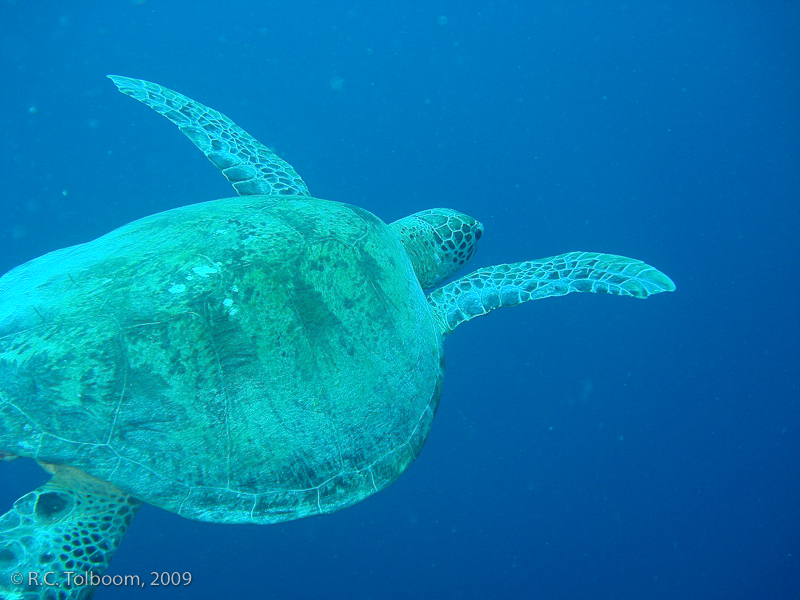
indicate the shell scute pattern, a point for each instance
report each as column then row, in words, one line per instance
column 282, row 356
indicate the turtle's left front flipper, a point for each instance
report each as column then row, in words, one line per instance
column 248, row 164
column 73, row 523
column 508, row 285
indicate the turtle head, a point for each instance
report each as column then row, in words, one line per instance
column 439, row 242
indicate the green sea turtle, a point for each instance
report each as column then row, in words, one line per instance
column 248, row 360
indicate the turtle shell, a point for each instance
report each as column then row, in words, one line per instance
column 252, row 359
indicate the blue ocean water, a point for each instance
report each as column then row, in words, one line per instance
column 585, row 446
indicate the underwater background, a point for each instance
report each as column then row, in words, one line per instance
column 585, row 447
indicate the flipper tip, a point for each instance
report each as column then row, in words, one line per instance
column 657, row 282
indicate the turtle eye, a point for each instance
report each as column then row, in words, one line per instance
column 478, row 231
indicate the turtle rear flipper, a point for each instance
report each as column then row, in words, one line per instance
column 72, row 524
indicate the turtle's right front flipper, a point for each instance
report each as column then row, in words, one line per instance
column 72, row 524
column 486, row 289
column 248, row 164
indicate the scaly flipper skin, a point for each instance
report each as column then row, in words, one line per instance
column 73, row 523
column 250, row 166
column 508, row 285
